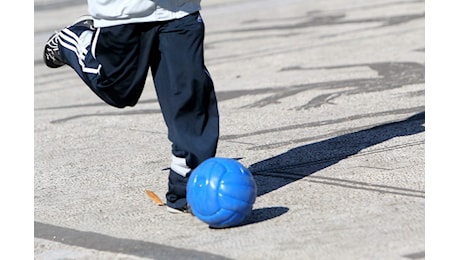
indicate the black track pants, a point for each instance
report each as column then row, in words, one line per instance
column 114, row 62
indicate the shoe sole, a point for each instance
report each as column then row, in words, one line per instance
column 176, row 211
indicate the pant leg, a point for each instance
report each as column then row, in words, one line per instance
column 186, row 95
column 185, row 90
column 111, row 60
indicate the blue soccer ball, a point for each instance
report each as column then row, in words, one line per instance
column 221, row 192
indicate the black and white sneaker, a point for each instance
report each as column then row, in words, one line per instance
column 51, row 53
column 186, row 209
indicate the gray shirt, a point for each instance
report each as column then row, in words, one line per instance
column 116, row 12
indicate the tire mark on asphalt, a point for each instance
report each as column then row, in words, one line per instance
column 307, row 139
column 131, row 112
column 331, row 20
column 342, row 183
column 277, row 50
column 391, row 75
column 313, row 19
column 100, row 242
column 417, row 255
column 326, row 122
column 369, row 187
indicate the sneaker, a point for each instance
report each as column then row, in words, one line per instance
column 51, row 53
column 186, row 209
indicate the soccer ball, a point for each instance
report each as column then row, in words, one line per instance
column 221, row 192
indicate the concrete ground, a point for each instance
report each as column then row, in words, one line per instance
column 323, row 101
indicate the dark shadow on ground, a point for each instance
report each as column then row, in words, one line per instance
column 260, row 215
column 297, row 163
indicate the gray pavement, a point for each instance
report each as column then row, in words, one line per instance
column 324, row 101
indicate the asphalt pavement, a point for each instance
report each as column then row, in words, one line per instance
column 323, row 101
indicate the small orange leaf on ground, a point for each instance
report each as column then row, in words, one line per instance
column 155, row 198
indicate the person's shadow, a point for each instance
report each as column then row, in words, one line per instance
column 297, row 163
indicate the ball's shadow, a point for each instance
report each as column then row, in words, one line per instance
column 263, row 214
column 260, row 215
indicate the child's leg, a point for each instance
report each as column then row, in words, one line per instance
column 109, row 60
column 186, row 94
